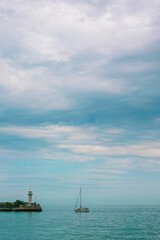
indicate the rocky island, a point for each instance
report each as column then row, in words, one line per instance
column 21, row 206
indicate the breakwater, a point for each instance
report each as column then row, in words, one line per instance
column 23, row 207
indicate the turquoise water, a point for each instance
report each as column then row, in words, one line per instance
column 102, row 222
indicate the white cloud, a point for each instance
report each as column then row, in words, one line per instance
column 85, row 144
column 106, row 171
column 55, row 31
column 40, row 88
column 146, row 149
column 64, row 156
column 59, row 30
column 105, row 177
column 49, row 132
column 40, row 43
column 33, row 88
column 64, row 133
column 114, row 131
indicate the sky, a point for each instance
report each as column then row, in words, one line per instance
column 80, row 101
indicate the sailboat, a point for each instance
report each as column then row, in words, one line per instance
column 80, row 209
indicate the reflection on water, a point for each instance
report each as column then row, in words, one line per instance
column 29, row 215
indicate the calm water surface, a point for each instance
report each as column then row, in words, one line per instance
column 102, row 222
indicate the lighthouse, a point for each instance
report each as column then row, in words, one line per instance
column 30, row 197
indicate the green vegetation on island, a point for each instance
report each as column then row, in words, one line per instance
column 20, row 205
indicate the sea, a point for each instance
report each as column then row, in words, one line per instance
column 102, row 222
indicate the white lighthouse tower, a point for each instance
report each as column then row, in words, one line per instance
column 30, row 197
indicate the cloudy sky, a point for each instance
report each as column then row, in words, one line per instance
column 80, row 100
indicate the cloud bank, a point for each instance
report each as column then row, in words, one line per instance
column 79, row 94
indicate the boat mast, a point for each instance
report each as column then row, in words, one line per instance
column 80, row 198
